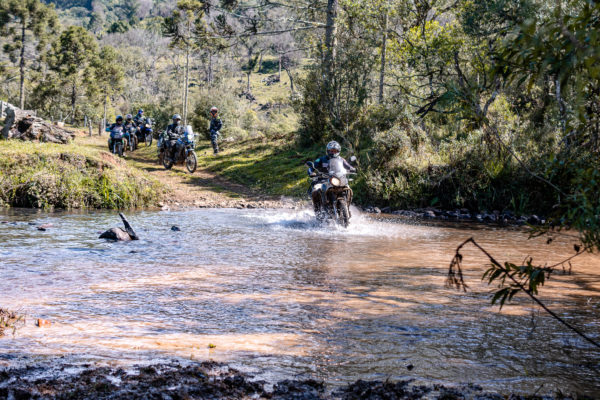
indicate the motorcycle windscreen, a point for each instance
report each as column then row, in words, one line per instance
column 189, row 133
column 336, row 167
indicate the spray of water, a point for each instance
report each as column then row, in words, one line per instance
column 360, row 224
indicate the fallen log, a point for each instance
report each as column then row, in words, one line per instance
column 22, row 124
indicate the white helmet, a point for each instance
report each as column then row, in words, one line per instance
column 333, row 149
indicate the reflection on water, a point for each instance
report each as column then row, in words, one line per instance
column 281, row 296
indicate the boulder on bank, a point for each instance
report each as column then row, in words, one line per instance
column 24, row 125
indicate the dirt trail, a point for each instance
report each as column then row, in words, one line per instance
column 202, row 188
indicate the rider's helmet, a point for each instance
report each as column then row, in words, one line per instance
column 333, row 149
column 128, row 117
column 119, row 118
column 214, row 110
column 140, row 111
column 176, row 119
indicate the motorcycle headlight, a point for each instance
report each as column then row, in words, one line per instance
column 335, row 181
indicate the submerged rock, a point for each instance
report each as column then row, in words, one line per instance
column 116, row 234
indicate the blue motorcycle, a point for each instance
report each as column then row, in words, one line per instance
column 145, row 132
column 115, row 143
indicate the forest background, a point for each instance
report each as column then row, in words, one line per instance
column 447, row 103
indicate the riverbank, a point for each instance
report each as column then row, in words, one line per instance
column 204, row 188
column 211, row 380
column 67, row 176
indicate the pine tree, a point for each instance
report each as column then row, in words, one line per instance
column 24, row 23
column 109, row 74
column 73, row 57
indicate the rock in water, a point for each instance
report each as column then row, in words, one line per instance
column 175, row 228
column 120, row 234
column 116, row 234
column 21, row 124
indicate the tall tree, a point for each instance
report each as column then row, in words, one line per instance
column 182, row 27
column 73, row 57
column 26, row 22
column 109, row 75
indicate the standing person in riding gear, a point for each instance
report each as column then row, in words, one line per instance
column 215, row 127
column 116, row 128
column 174, row 132
column 322, row 165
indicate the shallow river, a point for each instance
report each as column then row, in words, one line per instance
column 280, row 297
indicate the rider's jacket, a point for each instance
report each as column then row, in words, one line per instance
column 215, row 125
column 128, row 125
column 115, row 129
column 139, row 119
column 174, row 132
column 322, row 165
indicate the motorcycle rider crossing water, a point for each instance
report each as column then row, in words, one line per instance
column 331, row 195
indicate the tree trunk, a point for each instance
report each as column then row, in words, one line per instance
column 291, row 80
column 73, row 101
column 248, row 82
column 260, row 62
column 22, row 68
column 561, row 107
column 210, row 72
column 280, row 68
column 330, row 39
column 187, row 73
column 383, row 54
column 104, row 119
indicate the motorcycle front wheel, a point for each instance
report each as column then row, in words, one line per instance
column 148, row 140
column 166, row 162
column 119, row 148
column 344, row 213
column 191, row 162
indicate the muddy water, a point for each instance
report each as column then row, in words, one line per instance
column 280, row 297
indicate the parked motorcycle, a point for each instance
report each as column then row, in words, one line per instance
column 186, row 154
column 336, row 194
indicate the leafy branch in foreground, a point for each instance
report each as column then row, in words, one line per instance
column 10, row 320
column 512, row 279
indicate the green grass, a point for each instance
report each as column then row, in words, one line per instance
column 44, row 175
column 273, row 167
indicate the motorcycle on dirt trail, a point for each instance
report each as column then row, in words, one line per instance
column 184, row 153
column 132, row 142
column 115, row 143
column 144, row 133
column 336, row 194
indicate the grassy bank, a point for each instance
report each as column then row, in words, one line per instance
column 275, row 167
column 44, row 175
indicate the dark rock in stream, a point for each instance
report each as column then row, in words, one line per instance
column 175, row 228
column 116, row 234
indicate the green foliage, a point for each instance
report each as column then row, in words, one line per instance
column 10, row 320
column 23, row 23
column 73, row 58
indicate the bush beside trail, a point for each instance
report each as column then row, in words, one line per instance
column 70, row 176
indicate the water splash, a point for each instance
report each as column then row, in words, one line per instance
column 361, row 225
